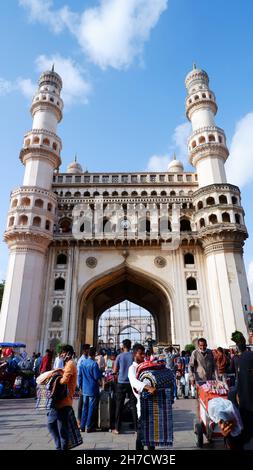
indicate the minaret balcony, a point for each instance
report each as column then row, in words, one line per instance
column 208, row 149
column 198, row 100
column 44, row 102
column 208, row 134
column 43, row 138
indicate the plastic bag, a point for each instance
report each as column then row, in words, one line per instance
column 220, row 409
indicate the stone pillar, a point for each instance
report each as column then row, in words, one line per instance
column 226, row 283
column 20, row 318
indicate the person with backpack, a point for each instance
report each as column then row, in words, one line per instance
column 61, row 418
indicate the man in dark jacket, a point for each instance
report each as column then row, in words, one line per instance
column 245, row 395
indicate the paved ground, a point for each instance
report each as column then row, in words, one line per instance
column 22, row 427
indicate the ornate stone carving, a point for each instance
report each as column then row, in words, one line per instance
column 91, row 262
column 160, row 262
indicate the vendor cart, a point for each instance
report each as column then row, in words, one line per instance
column 203, row 425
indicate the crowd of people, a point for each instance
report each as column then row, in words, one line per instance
column 84, row 378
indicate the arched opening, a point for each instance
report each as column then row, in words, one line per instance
column 210, row 201
column 36, row 140
column 144, row 193
column 57, row 314
column 202, row 140
column 120, row 285
column 54, row 146
column 77, row 194
column 213, row 219
column 134, row 193
column 200, row 205
column 234, row 200
column 25, row 201
column 86, row 194
column 172, row 193
column 125, row 320
column 61, row 259
column 163, row 193
column 124, row 193
column 65, row 225
column 226, row 217
column 14, row 203
column 211, row 138
column 185, row 225
column 189, row 259
column 194, row 144
column 153, row 193
column 223, row 199
column 194, row 314
column 191, row 284
column 202, row 223
column 237, row 219
column 49, row 207
column 115, row 193
column 11, row 221
column 46, row 142
column 39, row 203
column 105, row 194
column 23, row 220
column 68, row 194
column 59, row 283
column 37, row 221
column 47, row 225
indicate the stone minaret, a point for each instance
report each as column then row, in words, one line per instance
column 219, row 216
column 31, row 218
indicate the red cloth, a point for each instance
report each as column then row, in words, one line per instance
column 205, row 396
column 149, row 365
column 46, row 363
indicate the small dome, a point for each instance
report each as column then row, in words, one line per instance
column 196, row 75
column 176, row 166
column 74, row 167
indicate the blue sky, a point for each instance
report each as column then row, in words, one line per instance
column 124, row 63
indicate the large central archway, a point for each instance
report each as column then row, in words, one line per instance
column 113, row 287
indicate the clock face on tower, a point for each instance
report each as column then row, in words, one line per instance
column 125, row 224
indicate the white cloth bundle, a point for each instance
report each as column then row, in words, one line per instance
column 220, row 409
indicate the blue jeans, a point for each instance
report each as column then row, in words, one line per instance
column 89, row 407
column 57, row 422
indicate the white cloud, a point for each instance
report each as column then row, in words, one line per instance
column 239, row 165
column 27, row 87
column 250, row 279
column 42, row 11
column 111, row 34
column 179, row 147
column 158, row 163
column 5, row 86
column 180, row 138
column 76, row 87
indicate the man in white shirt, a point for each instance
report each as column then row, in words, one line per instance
column 138, row 387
